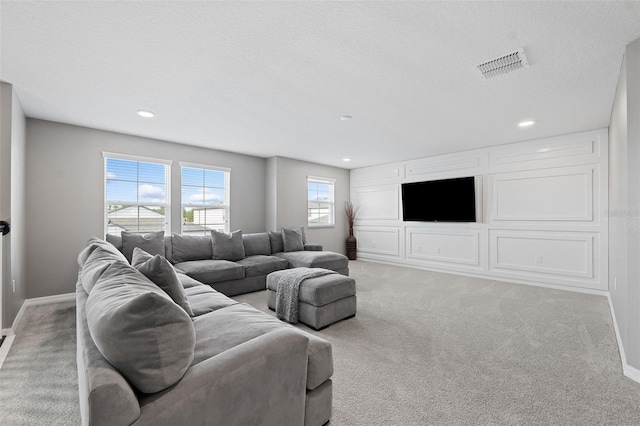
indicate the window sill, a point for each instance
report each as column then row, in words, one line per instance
column 320, row 226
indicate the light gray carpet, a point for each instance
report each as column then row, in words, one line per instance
column 424, row 348
column 435, row 349
column 38, row 380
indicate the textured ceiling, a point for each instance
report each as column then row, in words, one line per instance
column 274, row 78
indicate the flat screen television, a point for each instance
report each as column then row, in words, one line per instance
column 445, row 200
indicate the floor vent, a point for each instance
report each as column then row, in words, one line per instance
column 503, row 64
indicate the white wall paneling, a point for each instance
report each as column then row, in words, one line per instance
column 443, row 245
column 580, row 148
column 540, row 213
column 378, row 175
column 454, row 165
column 378, row 240
column 559, row 194
column 376, row 203
column 566, row 254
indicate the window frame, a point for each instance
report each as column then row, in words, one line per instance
column 332, row 203
column 226, row 205
column 140, row 159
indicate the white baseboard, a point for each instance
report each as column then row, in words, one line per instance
column 629, row 371
column 67, row 297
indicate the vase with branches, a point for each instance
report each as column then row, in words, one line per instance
column 351, row 211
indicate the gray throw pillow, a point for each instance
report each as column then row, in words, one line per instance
column 190, row 247
column 161, row 273
column 91, row 245
column 152, row 243
column 227, row 246
column 139, row 329
column 116, row 240
column 256, row 244
column 277, row 245
column 292, row 239
column 95, row 265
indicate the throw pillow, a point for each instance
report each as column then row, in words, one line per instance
column 227, row 246
column 292, row 239
column 96, row 264
column 152, row 243
column 91, row 245
column 256, row 244
column 190, row 247
column 139, row 329
column 277, row 245
column 161, row 273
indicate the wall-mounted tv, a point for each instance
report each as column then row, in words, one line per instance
column 444, row 200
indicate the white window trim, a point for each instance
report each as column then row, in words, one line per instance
column 139, row 158
column 331, row 181
column 118, row 156
column 206, row 167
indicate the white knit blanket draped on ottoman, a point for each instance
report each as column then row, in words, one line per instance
column 289, row 289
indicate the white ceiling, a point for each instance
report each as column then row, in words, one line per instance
column 274, row 78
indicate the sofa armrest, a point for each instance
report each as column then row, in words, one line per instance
column 312, row 247
column 262, row 381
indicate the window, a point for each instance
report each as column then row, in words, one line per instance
column 205, row 199
column 320, row 206
column 136, row 194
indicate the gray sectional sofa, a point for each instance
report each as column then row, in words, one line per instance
column 235, row 268
column 158, row 347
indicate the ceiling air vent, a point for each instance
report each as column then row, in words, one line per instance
column 503, row 64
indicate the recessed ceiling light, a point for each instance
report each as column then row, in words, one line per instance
column 346, row 118
column 145, row 114
column 526, row 123
column 346, row 159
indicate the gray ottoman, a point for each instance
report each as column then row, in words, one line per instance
column 323, row 300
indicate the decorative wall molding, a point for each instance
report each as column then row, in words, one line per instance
column 443, row 245
column 559, row 194
column 379, row 202
column 559, row 254
column 378, row 175
column 378, row 240
column 580, row 148
column 540, row 206
column 437, row 167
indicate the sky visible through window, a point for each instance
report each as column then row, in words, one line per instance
column 201, row 187
column 133, row 182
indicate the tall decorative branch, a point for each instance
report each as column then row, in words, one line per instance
column 351, row 211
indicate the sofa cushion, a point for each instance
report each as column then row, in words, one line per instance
column 187, row 281
column 203, row 299
column 139, row 329
column 277, row 245
column 96, row 264
column 227, row 246
column 315, row 259
column 161, row 273
column 228, row 327
column 212, row 271
column 91, row 245
column 190, row 247
column 292, row 239
column 258, row 243
column 262, row 265
column 152, row 243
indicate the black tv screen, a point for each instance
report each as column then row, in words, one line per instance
column 445, row 200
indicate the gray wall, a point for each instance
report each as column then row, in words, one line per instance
column 12, row 203
column 290, row 206
column 624, row 205
column 65, row 193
